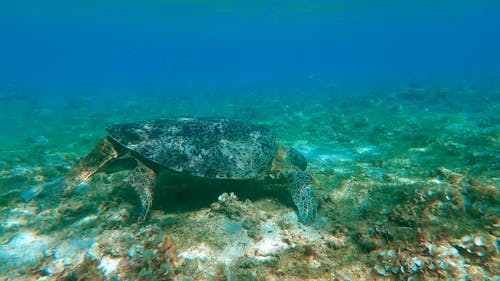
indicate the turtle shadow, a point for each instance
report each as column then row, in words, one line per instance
column 178, row 193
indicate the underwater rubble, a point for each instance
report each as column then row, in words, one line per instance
column 408, row 182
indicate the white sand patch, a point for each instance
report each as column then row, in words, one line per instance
column 271, row 242
column 14, row 222
column 200, row 252
column 338, row 156
column 304, row 147
column 365, row 149
column 24, row 248
column 109, row 265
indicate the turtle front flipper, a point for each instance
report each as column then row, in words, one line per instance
column 143, row 179
column 101, row 155
column 302, row 190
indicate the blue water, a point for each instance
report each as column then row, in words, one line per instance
column 90, row 47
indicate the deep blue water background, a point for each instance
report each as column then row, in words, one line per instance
column 61, row 48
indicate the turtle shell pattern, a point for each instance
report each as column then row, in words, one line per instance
column 212, row 148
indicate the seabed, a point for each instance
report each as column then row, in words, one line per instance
column 408, row 180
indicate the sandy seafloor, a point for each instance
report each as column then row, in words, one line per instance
column 407, row 177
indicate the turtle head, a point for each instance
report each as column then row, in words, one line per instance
column 292, row 157
column 296, row 158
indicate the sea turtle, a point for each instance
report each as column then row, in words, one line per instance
column 201, row 147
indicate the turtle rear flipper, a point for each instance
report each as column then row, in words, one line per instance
column 143, row 180
column 101, row 155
